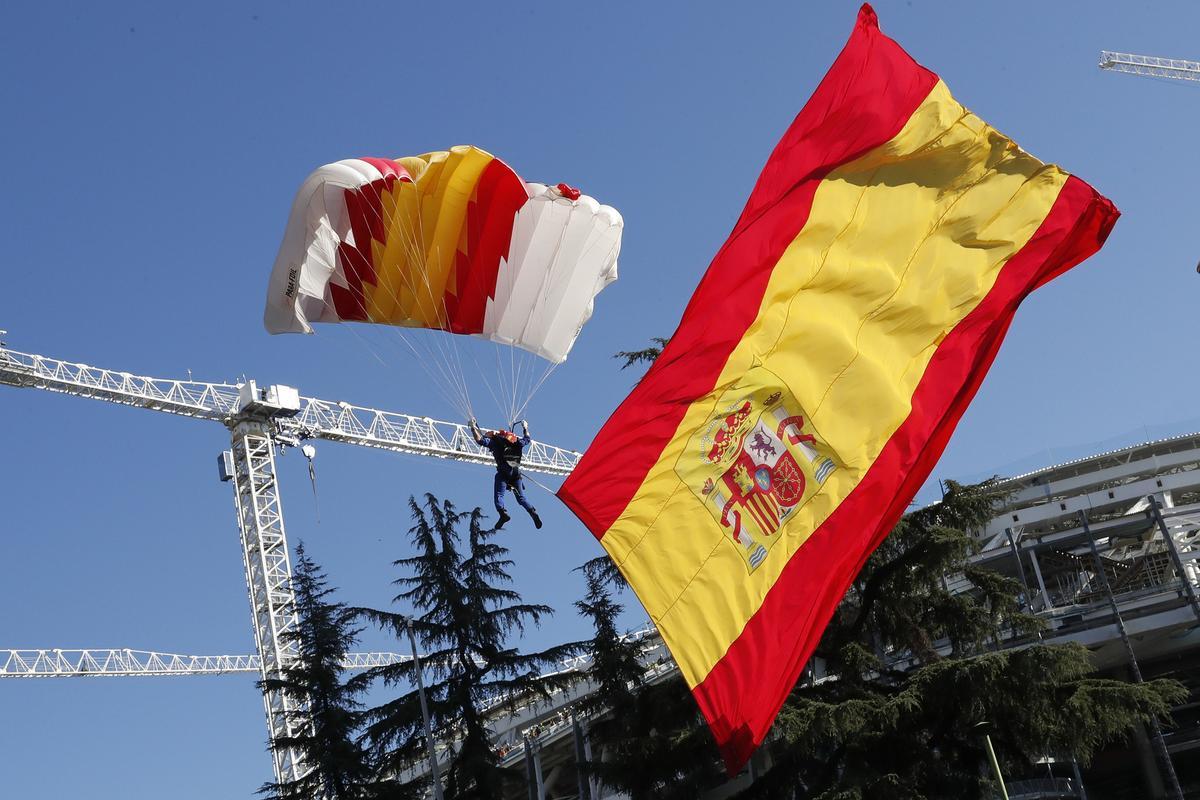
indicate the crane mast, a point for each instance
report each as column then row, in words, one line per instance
column 268, row 565
column 1150, row 66
column 259, row 421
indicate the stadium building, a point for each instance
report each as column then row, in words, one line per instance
column 1131, row 600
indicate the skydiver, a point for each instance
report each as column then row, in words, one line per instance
column 506, row 449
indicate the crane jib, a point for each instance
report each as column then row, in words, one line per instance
column 304, row 418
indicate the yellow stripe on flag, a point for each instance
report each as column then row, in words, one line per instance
column 900, row 245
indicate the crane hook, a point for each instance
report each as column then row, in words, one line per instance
column 310, row 453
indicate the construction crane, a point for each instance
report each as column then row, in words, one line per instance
column 1151, row 66
column 125, row 663
column 260, row 421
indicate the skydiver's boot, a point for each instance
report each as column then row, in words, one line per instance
column 504, row 517
column 537, row 521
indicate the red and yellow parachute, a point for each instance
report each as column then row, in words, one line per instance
column 451, row 240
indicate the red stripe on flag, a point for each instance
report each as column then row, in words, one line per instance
column 739, row 698
column 864, row 101
column 754, row 506
column 766, row 513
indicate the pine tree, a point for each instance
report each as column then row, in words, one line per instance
column 915, row 666
column 327, row 714
column 656, row 747
column 466, row 617
column 616, row 669
column 648, row 739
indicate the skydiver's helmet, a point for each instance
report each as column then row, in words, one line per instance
column 508, row 436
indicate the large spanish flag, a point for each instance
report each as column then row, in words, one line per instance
column 819, row 370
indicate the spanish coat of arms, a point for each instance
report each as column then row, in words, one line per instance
column 754, row 463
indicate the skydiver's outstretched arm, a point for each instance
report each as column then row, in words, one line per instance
column 480, row 439
column 525, row 440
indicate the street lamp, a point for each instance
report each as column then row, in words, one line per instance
column 983, row 728
column 435, row 772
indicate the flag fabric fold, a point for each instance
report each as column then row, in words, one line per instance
column 819, row 370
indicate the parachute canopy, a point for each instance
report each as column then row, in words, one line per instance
column 452, row 240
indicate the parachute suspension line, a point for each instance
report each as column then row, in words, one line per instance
column 441, row 380
column 483, row 375
column 432, row 354
column 456, row 351
column 368, row 346
column 451, row 386
column 503, row 383
column 528, row 397
column 414, row 239
column 453, row 359
column 514, row 364
column 442, row 383
column 446, row 385
column 539, row 483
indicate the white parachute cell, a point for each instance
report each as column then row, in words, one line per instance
column 564, row 252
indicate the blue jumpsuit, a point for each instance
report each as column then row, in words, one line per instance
column 508, row 469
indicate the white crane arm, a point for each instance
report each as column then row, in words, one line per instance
column 316, row 419
column 1150, row 66
column 215, row 401
column 57, row 663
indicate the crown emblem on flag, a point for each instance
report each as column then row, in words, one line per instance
column 755, row 463
column 728, row 434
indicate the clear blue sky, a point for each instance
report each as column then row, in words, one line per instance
column 151, row 154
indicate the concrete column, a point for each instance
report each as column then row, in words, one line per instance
column 1152, row 778
column 1078, row 780
column 580, row 759
column 593, row 783
column 1037, row 571
column 1016, row 554
column 537, row 771
column 531, row 779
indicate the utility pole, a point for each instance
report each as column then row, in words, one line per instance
column 434, row 769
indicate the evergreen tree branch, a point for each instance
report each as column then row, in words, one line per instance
column 644, row 356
